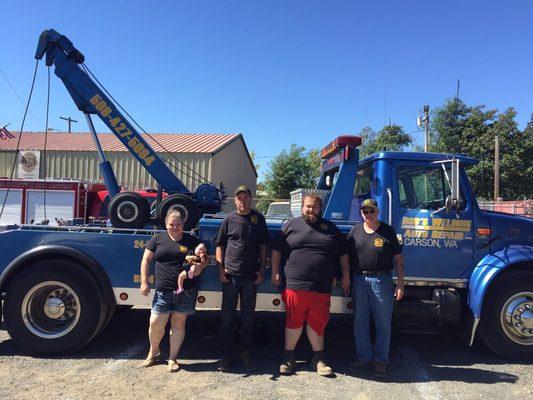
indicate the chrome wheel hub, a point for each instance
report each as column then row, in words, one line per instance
column 517, row 318
column 54, row 308
column 50, row 309
column 127, row 211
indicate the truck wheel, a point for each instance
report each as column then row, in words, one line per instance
column 53, row 307
column 189, row 212
column 507, row 318
column 129, row 210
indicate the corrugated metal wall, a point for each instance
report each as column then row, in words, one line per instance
column 232, row 167
column 129, row 172
column 6, row 163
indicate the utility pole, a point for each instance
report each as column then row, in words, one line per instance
column 70, row 120
column 425, row 120
column 496, row 168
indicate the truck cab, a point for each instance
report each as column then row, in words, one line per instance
column 461, row 262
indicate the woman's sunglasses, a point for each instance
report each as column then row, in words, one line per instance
column 371, row 211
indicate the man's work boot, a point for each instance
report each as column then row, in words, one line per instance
column 320, row 364
column 380, row 369
column 288, row 365
column 359, row 365
column 248, row 361
column 224, row 364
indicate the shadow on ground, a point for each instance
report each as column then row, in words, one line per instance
column 414, row 358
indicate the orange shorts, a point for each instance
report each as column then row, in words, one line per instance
column 305, row 306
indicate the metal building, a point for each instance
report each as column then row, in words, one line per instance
column 215, row 157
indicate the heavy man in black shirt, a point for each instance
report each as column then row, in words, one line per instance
column 373, row 248
column 314, row 247
column 241, row 258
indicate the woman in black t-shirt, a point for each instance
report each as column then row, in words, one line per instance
column 168, row 250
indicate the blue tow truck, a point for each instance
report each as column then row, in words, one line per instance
column 463, row 265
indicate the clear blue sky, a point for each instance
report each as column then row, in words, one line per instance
column 279, row 72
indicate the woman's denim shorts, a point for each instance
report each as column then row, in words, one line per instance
column 168, row 301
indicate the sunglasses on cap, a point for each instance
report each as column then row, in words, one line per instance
column 368, row 211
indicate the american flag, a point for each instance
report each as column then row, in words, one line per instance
column 5, row 134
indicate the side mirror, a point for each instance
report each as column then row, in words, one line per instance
column 452, row 201
column 451, row 204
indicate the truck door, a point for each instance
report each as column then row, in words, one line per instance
column 436, row 244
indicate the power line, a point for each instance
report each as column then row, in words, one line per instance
column 16, row 94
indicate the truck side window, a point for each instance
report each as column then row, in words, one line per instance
column 363, row 181
column 402, row 195
column 422, row 187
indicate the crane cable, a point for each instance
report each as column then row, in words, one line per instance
column 45, row 142
column 73, row 89
column 203, row 179
column 19, row 138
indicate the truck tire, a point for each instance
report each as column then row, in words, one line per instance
column 507, row 317
column 53, row 307
column 129, row 210
column 189, row 211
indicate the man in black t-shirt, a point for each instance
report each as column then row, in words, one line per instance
column 314, row 248
column 241, row 254
column 374, row 250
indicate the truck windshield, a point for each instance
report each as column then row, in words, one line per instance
column 279, row 209
column 423, row 187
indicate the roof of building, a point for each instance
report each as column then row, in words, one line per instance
column 171, row 142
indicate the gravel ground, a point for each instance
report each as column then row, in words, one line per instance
column 422, row 367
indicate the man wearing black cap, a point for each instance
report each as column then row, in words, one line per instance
column 241, row 258
column 374, row 251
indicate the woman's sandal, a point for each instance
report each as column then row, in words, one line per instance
column 173, row 366
column 150, row 361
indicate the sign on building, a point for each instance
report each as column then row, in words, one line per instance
column 28, row 164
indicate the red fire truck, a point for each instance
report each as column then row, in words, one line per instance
column 32, row 201
column 56, row 200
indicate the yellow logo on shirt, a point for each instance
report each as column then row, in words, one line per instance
column 253, row 219
column 324, row 226
column 183, row 249
column 378, row 242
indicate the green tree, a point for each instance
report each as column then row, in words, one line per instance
column 368, row 136
column 528, row 158
column 447, row 125
column 290, row 170
column 314, row 160
column 460, row 129
column 516, row 156
column 252, row 156
column 391, row 137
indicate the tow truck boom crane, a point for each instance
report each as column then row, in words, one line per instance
column 126, row 209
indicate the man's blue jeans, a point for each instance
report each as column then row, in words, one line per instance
column 246, row 289
column 372, row 295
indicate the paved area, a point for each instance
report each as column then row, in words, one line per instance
column 422, row 367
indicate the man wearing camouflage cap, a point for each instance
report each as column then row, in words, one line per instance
column 241, row 255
